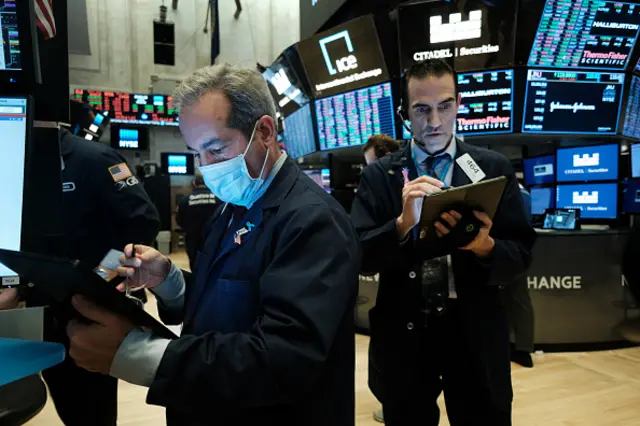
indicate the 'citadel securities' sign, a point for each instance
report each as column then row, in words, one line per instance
column 555, row 283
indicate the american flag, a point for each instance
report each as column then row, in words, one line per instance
column 120, row 172
column 44, row 18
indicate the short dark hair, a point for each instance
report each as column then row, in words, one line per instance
column 430, row 68
column 198, row 180
column 382, row 145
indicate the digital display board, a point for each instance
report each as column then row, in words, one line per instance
column 315, row 13
column 131, row 108
column 285, row 86
column 486, row 105
column 321, row 177
column 572, row 102
column 299, row 133
column 595, row 200
column 345, row 58
column 631, row 126
column 350, row 119
column 635, row 160
column 472, row 35
column 177, row 163
column 129, row 137
column 10, row 57
column 540, row 170
column 631, row 197
column 542, row 199
column 586, row 34
column 588, row 163
column 13, row 128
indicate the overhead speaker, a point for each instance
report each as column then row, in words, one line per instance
column 164, row 40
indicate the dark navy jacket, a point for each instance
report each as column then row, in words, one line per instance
column 268, row 335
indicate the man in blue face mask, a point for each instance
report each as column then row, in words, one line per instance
column 267, row 315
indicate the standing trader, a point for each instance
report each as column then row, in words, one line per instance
column 267, row 316
column 104, row 208
column 193, row 214
column 423, row 342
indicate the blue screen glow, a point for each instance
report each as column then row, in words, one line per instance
column 595, row 200
column 542, row 199
column 588, row 163
column 631, row 197
column 540, row 170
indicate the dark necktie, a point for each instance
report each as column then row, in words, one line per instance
column 433, row 166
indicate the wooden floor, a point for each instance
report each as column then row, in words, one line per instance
column 577, row 389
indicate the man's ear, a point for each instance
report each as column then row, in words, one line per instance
column 267, row 130
column 459, row 98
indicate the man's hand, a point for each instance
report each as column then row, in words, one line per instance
column 9, row 299
column 93, row 347
column 483, row 244
column 148, row 269
column 413, row 195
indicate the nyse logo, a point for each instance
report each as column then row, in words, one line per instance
column 281, row 82
column 456, row 29
column 347, row 63
column 585, row 197
column 586, row 160
column 558, row 283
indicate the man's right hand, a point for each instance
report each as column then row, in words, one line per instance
column 152, row 264
column 9, row 299
column 413, row 195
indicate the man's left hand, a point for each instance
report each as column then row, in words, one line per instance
column 483, row 244
column 94, row 346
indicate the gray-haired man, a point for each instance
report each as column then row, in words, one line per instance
column 268, row 314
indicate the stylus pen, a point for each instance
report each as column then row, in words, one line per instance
column 127, row 286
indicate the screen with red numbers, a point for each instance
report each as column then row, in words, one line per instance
column 132, row 108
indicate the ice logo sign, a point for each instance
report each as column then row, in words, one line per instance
column 586, row 160
column 347, row 63
column 281, row 82
column 585, row 197
column 456, row 29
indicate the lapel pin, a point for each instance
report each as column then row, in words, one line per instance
column 239, row 234
column 250, row 226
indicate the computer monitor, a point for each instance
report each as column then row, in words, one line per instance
column 177, row 163
column 299, row 133
column 594, row 200
column 588, row 163
column 540, row 170
column 542, row 199
column 14, row 127
column 631, row 126
column 320, row 176
column 19, row 61
column 351, row 118
column 631, row 196
column 635, row 160
column 129, row 137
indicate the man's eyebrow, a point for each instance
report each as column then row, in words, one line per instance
column 451, row 99
column 205, row 145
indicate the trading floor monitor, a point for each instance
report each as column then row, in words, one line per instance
column 13, row 145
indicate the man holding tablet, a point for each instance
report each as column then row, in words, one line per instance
column 438, row 324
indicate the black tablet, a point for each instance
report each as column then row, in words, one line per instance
column 60, row 279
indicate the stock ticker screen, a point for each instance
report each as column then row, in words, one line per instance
column 595, row 200
column 349, row 119
column 9, row 36
column 631, row 126
column 572, row 102
column 588, row 163
column 486, row 105
column 299, row 135
column 131, row 108
column 586, row 34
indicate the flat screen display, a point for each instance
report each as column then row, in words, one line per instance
column 635, row 160
column 486, row 106
column 345, row 58
column 177, row 163
column 315, row 13
column 13, row 128
column 299, row 133
column 285, row 86
column 351, row 118
column 131, row 108
column 594, row 200
column 594, row 34
column 129, row 137
column 540, row 170
column 631, row 126
column 631, row 197
column 322, row 177
column 588, row 163
column 472, row 35
column 10, row 56
column 542, row 199
column 572, row 102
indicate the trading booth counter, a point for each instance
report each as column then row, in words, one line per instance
column 575, row 282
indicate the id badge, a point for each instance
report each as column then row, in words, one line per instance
column 108, row 266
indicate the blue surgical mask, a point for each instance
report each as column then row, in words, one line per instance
column 231, row 182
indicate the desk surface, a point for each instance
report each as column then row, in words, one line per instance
column 582, row 232
column 22, row 358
